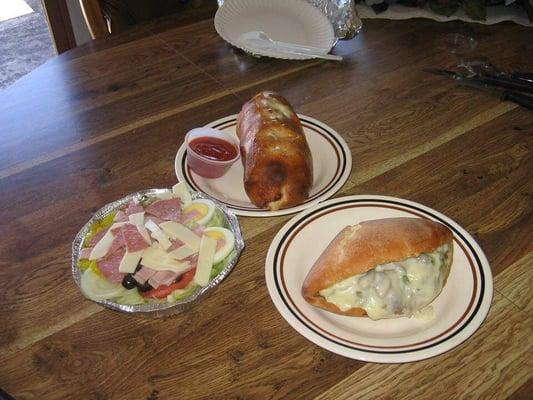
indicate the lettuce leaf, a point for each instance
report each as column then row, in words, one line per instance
column 180, row 294
column 216, row 220
column 220, row 265
column 131, row 297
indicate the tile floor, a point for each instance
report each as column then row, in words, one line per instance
column 25, row 44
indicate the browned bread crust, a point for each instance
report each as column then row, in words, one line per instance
column 278, row 168
column 359, row 248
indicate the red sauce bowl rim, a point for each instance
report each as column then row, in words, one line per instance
column 211, row 132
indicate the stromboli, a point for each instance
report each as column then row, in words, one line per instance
column 381, row 268
column 278, row 167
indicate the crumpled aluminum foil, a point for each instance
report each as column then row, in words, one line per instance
column 158, row 309
column 341, row 13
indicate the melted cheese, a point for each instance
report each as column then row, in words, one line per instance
column 395, row 289
column 275, row 108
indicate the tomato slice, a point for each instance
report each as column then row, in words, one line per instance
column 163, row 291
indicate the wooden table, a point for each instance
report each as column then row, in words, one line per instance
column 106, row 119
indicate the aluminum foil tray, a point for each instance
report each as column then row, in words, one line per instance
column 159, row 309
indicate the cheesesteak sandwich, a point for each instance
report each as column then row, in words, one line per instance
column 383, row 268
column 278, row 168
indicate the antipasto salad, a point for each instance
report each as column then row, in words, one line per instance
column 155, row 249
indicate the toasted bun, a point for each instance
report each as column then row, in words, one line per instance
column 359, row 248
column 277, row 161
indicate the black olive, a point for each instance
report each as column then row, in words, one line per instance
column 129, row 282
column 144, row 288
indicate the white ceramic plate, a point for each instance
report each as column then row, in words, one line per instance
column 294, row 21
column 332, row 164
column 458, row 311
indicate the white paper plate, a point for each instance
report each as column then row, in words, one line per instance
column 458, row 311
column 332, row 164
column 293, row 21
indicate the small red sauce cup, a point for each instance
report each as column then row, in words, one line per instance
column 207, row 165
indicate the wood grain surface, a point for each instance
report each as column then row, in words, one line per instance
column 107, row 119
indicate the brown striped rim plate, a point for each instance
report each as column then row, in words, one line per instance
column 457, row 312
column 332, row 164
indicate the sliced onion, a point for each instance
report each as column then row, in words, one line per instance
column 98, row 288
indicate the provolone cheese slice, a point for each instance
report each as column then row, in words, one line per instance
column 159, row 260
column 205, row 260
column 182, row 233
column 166, row 265
column 158, row 234
column 129, row 262
column 181, row 252
column 137, row 219
column 162, row 239
column 104, row 244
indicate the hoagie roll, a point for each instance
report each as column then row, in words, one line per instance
column 383, row 268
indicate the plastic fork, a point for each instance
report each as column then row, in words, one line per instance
column 259, row 40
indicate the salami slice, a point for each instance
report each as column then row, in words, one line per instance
column 85, row 252
column 133, row 208
column 168, row 210
column 118, row 241
column 133, row 240
column 109, row 265
column 96, row 238
column 120, row 217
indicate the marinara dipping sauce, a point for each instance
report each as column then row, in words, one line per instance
column 213, row 148
column 210, row 152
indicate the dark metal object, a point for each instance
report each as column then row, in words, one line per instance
column 483, row 68
column 499, row 81
column 504, row 91
column 5, row 396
